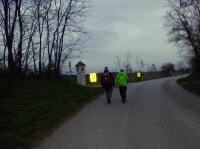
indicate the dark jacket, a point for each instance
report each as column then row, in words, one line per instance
column 107, row 80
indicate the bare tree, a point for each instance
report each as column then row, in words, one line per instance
column 167, row 69
column 67, row 24
column 125, row 63
column 12, row 14
column 118, row 62
column 3, row 44
column 183, row 23
column 9, row 16
column 63, row 30
column 153, row 68
column 48, row 39
column 140, row 63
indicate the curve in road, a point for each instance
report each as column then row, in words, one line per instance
column 158, row 115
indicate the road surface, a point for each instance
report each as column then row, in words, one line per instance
column 158, row 115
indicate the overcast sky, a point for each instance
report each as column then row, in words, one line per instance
column 120, row 26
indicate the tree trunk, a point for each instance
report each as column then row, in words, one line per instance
column 19, row 52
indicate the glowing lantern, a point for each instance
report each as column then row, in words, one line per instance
column 139, row 75
column 93, row 77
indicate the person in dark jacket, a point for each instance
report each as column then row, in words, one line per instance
column 107, row 82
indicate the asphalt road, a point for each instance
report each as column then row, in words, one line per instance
column 158, row 115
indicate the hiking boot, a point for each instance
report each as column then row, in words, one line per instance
column 124, row 100
column 109, row 102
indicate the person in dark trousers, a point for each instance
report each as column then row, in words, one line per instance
column 107, row 82
column 121, row 82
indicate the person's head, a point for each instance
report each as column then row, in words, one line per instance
column 106, row 69
column 121, row 70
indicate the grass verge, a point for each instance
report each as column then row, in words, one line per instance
column 191, row 83
column 31, row 109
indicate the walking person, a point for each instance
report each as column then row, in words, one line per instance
column 121, row 82
column 107, row 82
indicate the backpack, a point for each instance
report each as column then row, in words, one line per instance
column 106, row 78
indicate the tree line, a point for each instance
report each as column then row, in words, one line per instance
column 38, row 36
column 183, row 24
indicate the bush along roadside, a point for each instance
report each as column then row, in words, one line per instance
column 191, row 83
column 31, row 109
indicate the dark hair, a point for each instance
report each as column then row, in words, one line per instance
column 121, row 70
column 106, row 69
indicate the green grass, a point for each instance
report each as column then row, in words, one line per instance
column 31, row 109
column 191, row 83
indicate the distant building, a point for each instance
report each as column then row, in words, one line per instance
column 80, row 71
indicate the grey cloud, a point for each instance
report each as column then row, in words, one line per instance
column 118, row 26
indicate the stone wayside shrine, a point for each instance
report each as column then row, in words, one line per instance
column 80, row 71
